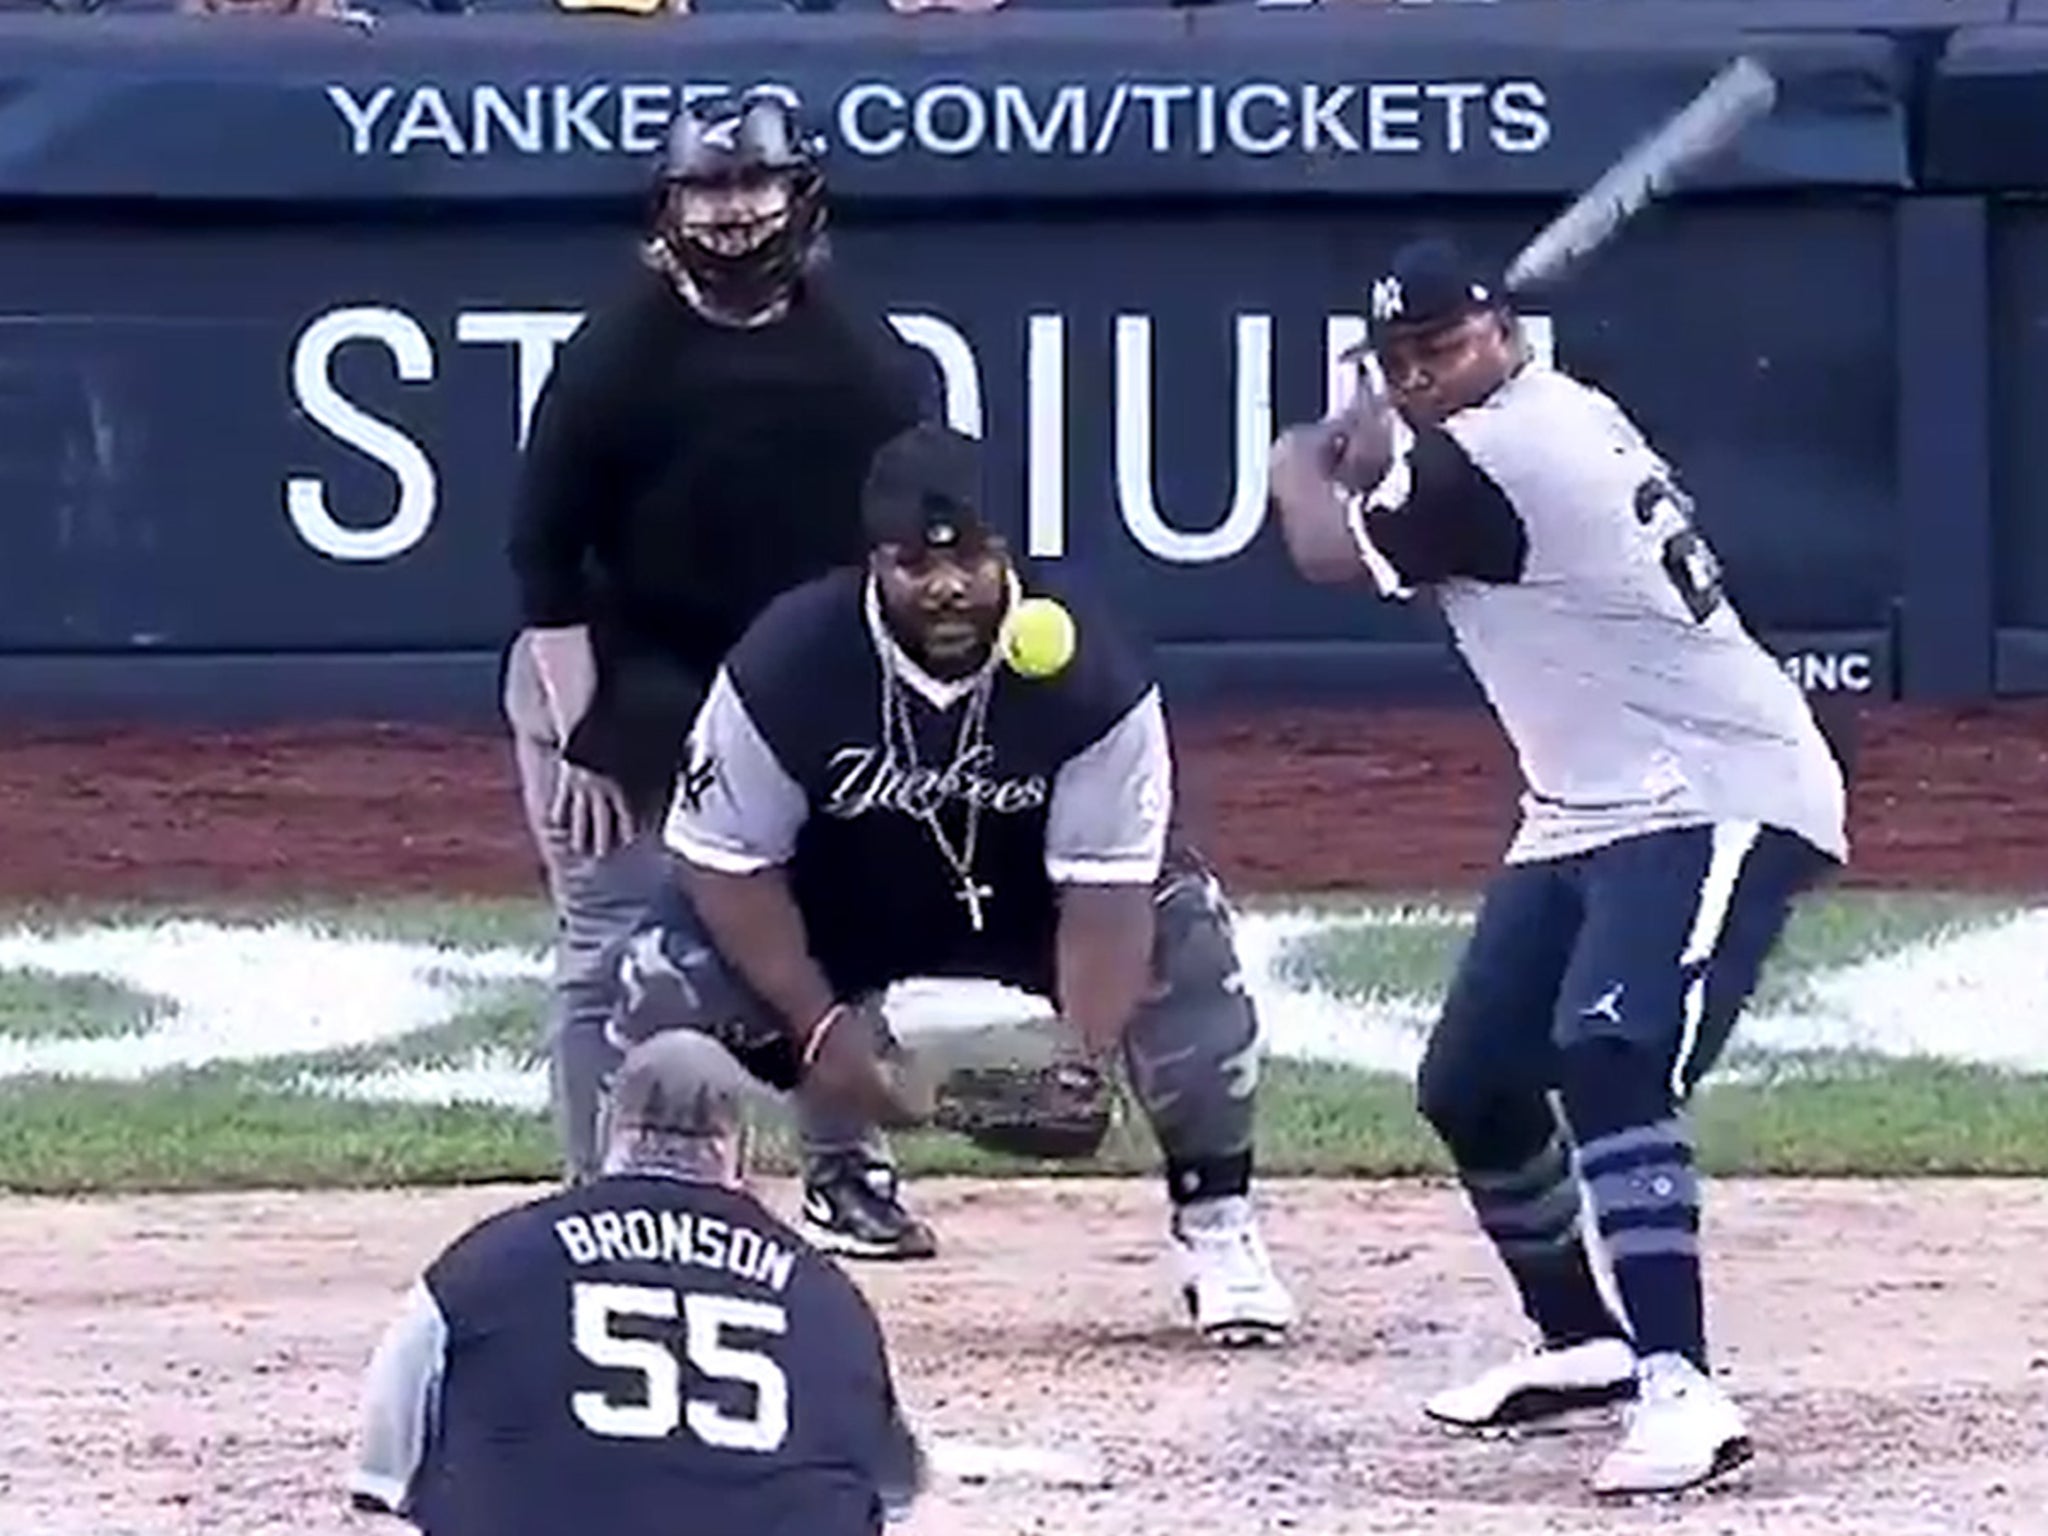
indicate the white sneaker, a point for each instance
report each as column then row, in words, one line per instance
column 1233, row 1295
column 1541, row 1384
column 1683, row 1431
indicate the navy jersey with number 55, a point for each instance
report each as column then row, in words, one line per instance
column 634, row 1357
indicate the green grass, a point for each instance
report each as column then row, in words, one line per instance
column 1820, row 1113
column 463, row 924
column 1879, row 1119
column 38, row 1007
column 250, row 1125
column 1371, row 961
column 1844, row 929
column 1860, row 1118
column 210, row 1130
column 214, row 1130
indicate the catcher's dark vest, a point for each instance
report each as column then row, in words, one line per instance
column 640, row 1356
column 878, row 895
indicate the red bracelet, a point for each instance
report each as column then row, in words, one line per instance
column 818, row 1032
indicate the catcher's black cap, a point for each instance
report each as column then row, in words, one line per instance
column 924, row 488
column 1429, row 282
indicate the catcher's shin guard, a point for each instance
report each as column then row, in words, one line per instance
column 1192, row 1051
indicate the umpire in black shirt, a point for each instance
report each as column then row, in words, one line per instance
column 699, row 448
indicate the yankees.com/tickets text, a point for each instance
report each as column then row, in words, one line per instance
column 881, row 118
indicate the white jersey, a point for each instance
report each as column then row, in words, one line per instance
column 1632, row 693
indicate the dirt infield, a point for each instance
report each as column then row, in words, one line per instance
column 1287, row 801
column 185, row 1365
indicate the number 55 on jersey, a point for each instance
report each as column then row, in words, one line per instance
column 648, row 1352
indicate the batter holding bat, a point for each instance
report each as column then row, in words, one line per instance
column 889, row 779
column 1679, row 796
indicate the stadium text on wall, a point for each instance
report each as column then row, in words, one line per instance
column 1188, row 536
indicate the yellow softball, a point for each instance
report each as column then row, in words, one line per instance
column 1038, row 640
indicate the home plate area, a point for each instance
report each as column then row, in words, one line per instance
column 183, row 1364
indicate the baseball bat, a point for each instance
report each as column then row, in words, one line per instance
column 1736, row 97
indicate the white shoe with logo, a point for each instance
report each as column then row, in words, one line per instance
column 1233, row 1295
column 1683, row 1431
column 1541, row 1384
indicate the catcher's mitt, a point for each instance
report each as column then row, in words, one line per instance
column 1058, row 1110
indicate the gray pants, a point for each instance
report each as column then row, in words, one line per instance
column 598, row 904
column 1191, row 1054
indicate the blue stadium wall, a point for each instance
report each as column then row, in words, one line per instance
column 275, row 304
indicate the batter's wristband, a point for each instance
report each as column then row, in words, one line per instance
column 815, row 1040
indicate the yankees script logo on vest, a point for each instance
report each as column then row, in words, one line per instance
column 870, row 778
column 924, row 823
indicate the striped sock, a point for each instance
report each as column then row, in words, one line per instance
column 1531, row 1213
column 1646, row 1197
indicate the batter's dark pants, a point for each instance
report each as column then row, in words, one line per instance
column 1614, row 978
column 1655, row 942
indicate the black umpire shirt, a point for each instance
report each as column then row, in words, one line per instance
column 679, row 474
column 633, row 1357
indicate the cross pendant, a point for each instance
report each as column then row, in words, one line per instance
column 974, row 894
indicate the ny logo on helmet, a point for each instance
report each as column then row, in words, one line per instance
column 1387, row 299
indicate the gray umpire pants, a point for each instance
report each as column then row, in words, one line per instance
column 598, row 903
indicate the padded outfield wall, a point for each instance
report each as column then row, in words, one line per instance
column 275, row 304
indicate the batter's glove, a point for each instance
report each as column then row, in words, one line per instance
column 1058, row 1110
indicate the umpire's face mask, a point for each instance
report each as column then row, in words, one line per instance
column 734, row 216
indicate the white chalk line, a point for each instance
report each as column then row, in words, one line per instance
column 271, row 992
column 245, row 992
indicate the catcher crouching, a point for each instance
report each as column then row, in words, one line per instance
column 872, row 795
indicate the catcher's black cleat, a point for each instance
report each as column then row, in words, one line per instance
column 851, row 1208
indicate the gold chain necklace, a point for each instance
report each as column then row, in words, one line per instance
column 974, row 721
